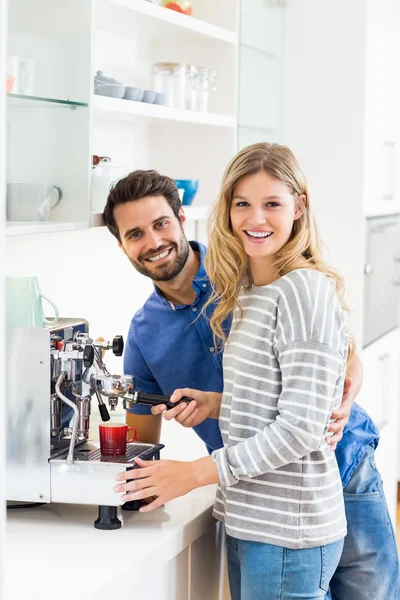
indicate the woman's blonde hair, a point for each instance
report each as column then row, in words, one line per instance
column 226, row 261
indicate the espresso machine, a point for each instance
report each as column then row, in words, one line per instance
column 53, row 373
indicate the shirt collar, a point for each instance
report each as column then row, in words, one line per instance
column 199, row 279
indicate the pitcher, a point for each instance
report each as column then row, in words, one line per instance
column 24, row 303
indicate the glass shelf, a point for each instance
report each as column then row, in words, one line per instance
column 265, row 53
column 38, row 101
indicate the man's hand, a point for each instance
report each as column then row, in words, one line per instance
column 341, row 415
column 203, row 406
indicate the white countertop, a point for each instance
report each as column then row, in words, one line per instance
column 54, row 552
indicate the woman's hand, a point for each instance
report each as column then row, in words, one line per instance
column 203, row 406
column 166, row 479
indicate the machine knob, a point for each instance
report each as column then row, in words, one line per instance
column 118, row 345
column 88, row 356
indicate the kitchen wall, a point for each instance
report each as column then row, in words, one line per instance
column 87, row 275
column 327, row 134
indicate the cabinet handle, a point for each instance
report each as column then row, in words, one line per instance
column 368, row 269
column 396, row 281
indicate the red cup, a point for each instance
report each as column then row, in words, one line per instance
column 113, row 438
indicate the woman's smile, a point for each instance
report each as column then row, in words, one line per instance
column 257, row 236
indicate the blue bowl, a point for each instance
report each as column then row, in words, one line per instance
column 190, row 187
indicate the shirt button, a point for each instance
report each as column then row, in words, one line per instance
column 204, row 285
column 194, row 309
column 212, row 349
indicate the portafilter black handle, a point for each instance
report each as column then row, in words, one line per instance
column 154, row 400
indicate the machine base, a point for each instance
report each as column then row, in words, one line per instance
column 108, row 518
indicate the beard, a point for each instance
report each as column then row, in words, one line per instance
column 168, row 271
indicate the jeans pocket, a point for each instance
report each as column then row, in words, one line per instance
column 330, row 557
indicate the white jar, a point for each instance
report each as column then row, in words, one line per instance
column 192, row 85
column 206, row 85
column 170, row 79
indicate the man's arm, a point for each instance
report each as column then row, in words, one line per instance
column 355, row 372
column 352, row 385
column 147, row 425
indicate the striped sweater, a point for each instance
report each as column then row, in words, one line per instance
column 284, row 368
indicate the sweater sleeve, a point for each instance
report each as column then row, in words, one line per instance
column 310, row 347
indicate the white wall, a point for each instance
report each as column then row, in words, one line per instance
column 87, row 275
column 323, row 125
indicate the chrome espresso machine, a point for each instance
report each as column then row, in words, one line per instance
column 52, row 375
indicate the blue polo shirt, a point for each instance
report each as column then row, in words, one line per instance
column 170, row 347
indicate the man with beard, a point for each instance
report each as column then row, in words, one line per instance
column 170, row 345
column 165, row 340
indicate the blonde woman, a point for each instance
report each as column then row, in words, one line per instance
column 280, row 493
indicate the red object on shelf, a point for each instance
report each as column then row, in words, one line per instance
column 177, row 8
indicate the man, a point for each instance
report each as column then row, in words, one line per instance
column 170, row 345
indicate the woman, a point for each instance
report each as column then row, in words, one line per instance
column 280, row 493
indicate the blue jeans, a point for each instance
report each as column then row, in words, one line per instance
column 369, row 566
column 259, row 571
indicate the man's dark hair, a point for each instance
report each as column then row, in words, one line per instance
column 135, row 186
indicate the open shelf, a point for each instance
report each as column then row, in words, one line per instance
column 38, row 101
column 144, row 113
column 165, row 21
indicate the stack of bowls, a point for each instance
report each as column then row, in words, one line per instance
column 108, row 86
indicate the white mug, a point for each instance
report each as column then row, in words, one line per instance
column 31, row 201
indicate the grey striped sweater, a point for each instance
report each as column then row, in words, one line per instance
column 284, row 369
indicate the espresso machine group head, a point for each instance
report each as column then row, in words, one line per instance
column 52, row 375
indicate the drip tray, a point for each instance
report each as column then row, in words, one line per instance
column 132, row 451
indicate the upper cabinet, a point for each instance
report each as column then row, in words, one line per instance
column 382, row 101
column 140, row 86
column 260, row 70
column 48, row 141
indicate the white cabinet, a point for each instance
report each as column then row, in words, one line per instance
column 260, row 71
column 197, row 573
column 379, row 396
column 382, row 99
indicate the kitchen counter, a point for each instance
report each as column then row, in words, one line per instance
column 54, row 552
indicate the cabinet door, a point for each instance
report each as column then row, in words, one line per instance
column 48, row 115
column 260, row 72
column 208, row 566
column 382, row 122
column 379, row 396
